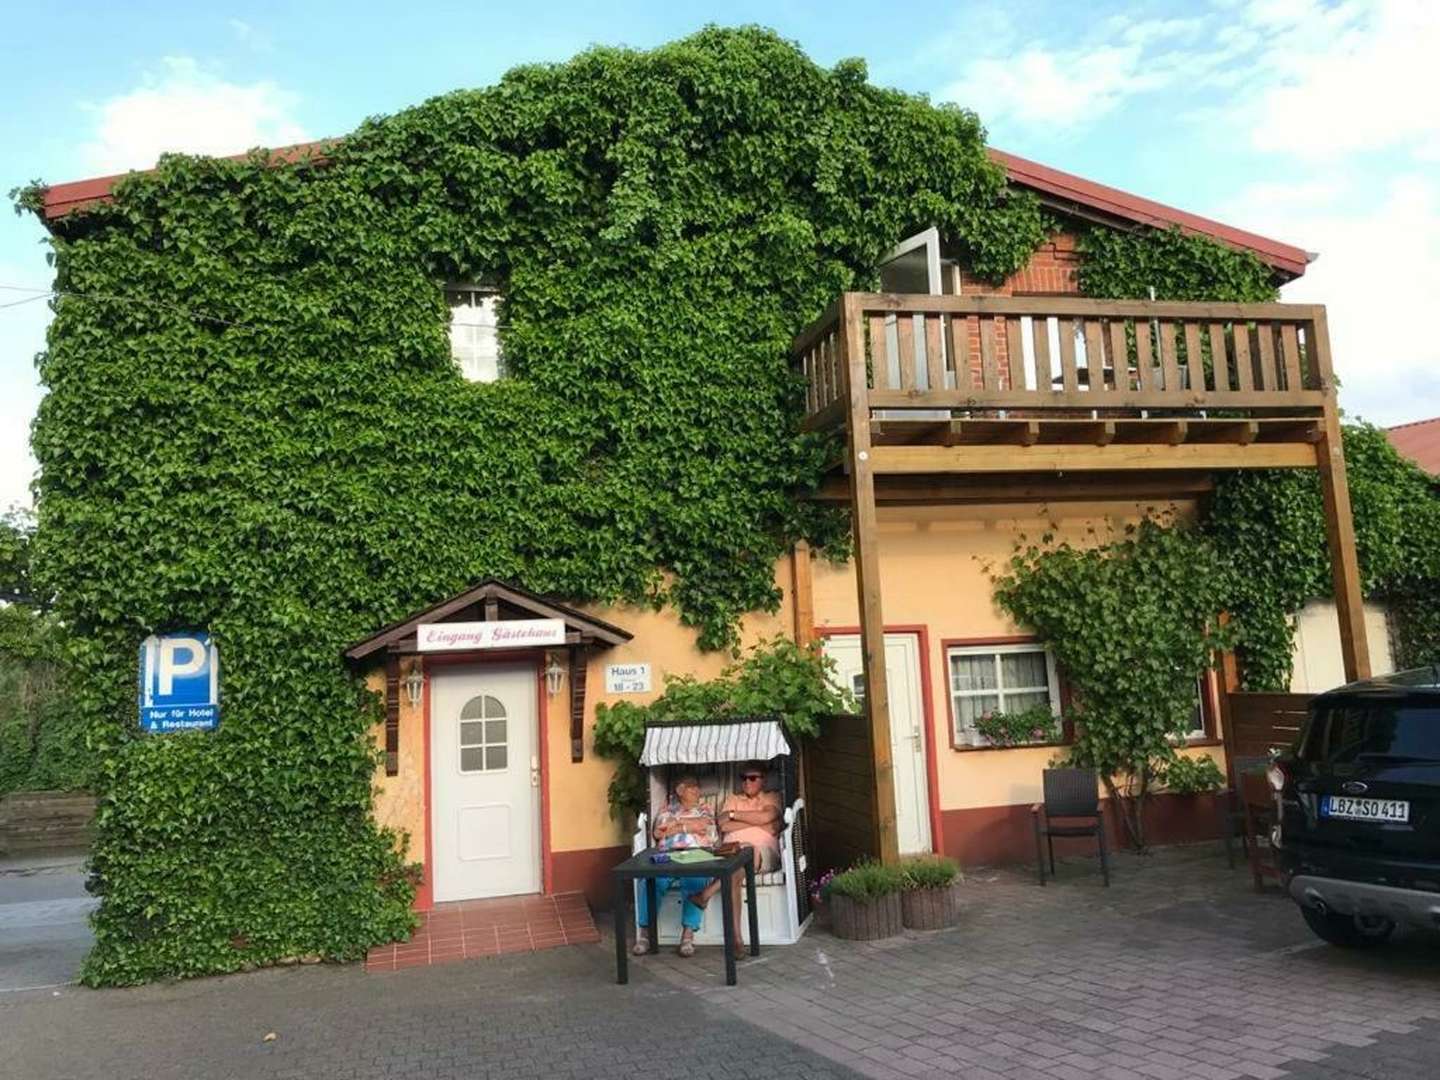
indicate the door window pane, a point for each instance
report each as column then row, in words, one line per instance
column 483, row 735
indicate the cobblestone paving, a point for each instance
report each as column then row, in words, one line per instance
column 1179, row 971
column 554, row 1014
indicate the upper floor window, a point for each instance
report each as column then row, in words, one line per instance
column 475, row 332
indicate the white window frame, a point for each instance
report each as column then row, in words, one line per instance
column 478, row 297
column 967, row 737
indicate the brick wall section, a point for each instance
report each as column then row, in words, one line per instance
column 1052, row 270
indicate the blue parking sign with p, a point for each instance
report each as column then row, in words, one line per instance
column 179, row 683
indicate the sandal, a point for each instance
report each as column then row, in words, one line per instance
column 687, row 947
column 640, row 948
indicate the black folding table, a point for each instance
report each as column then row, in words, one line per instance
column 720, row 867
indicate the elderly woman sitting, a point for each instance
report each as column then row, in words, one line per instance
column 683, row 822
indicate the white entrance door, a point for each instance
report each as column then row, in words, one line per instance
column 485, row 772
column 907, row 727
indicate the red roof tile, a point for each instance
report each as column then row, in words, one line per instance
column 1420, row 442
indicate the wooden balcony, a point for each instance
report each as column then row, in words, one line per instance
column 958, row 383
column 1002, row 399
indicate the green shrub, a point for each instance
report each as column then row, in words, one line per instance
column 867, row 881
column 775, row 678
column 929, row 871
column 1193, row 776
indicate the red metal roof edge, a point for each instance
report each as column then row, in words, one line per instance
column 1122, row 204
column 1413, row 423
column 61, row 199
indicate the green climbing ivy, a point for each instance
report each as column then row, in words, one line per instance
column 253, row 425
column 1271, row 522
column 1133, row 622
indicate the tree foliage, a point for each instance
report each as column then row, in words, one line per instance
column 775, row 678
column 254, row 426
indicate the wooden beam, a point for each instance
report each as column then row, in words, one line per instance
column 802, row 593
column 1001, row 488
column 1068, row 397
column 578, row 656
column 392, row 714
column 980, row 432
column 1065, row 459
column 867, row 578
column 1339, row 526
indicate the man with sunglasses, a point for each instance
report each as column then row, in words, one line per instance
column 752, row 816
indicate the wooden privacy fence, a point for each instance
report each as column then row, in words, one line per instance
column 840, row 794
column 1024, row 352
column 1258, row 723
column 37, row 821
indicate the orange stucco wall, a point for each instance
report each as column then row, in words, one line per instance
column 935, row 567
column 935, row 572
column 400, row 799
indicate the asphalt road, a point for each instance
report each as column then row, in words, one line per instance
column 44, row 932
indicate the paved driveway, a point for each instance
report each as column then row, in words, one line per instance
column 1177, row 972
column 44, row 934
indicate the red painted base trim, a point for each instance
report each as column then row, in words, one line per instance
column 995, row 835
column 588, row 871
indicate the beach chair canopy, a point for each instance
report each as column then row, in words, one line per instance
column 707, row 744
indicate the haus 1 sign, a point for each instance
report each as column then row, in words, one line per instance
column 179, row 683
column 627, row 678
column 501, row 634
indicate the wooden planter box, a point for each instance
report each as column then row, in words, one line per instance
column 930, row 909
column 865, row 920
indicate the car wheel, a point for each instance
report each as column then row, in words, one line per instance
column 1350, row 931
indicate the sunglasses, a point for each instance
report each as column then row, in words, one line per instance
column 753, row 776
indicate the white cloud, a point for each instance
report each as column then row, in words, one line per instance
column 1047, row 87
column 186, row 108
column 1379, row 263
column 22, row 335
column 1361, row 76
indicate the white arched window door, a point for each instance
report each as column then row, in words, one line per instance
column 485, row 781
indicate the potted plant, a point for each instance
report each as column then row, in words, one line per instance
column 865, row 902
column 1035, row 725
column 929, row 901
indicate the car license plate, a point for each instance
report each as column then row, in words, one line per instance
column 1352, row 809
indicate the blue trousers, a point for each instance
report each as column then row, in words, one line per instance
column 690, row 914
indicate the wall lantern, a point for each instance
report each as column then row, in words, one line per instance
column 553, row 674
column 414, row 685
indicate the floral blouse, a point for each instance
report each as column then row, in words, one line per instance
column 699, row 821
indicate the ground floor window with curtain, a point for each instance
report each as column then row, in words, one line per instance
column 990, row 679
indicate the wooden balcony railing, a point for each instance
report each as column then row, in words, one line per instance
column 924, row 357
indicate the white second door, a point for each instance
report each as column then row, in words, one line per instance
column 485, row 777
column 907, row 727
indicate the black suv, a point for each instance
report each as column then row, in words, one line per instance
column 1359, row 809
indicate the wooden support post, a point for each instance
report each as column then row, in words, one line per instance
column 392, row 713
column 802, row 593
column 1339, row 526
column 867, row 576
column 578, row 655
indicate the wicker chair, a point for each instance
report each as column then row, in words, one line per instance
column 1070, row 794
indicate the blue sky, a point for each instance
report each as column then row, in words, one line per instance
column 1313, row 121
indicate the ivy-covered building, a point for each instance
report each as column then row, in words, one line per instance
column 652, row 355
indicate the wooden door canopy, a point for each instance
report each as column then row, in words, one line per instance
column 489, row 601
